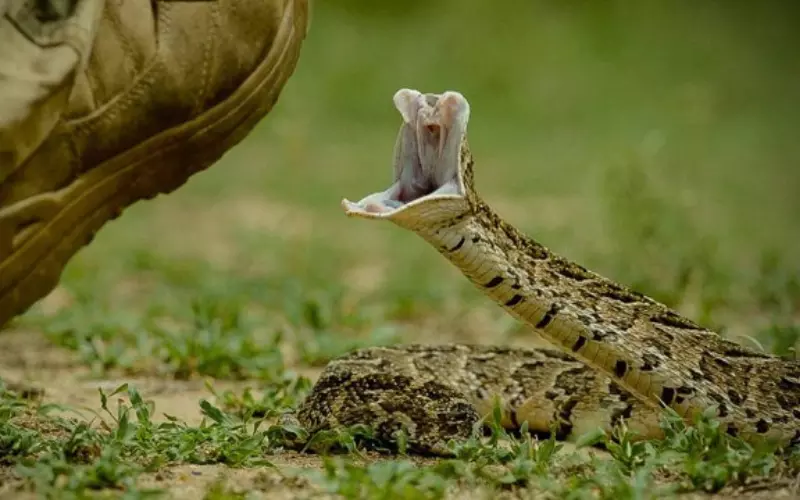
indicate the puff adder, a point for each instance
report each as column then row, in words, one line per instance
column 617, row 354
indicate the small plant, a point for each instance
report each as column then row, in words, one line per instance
column 17, row 442
column 384, row 480
column 350, row 440
column 55, row 476
column 219, row 490
column 710, row 458
column 276, row 397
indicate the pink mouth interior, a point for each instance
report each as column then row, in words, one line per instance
column 426, row 153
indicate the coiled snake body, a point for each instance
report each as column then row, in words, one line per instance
column 617, row 354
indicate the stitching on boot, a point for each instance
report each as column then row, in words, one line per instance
column 208, row 53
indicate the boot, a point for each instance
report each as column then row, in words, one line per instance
column 133, row 98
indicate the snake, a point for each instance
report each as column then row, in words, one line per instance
column 615, row 355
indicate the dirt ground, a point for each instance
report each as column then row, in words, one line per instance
column 29, row 361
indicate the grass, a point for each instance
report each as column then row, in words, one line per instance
column 654, row 143
column 121, row 443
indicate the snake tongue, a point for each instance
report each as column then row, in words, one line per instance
column 426, row 159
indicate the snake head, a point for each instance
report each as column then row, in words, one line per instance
column 430, row 158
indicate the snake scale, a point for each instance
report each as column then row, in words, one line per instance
column 617, row 354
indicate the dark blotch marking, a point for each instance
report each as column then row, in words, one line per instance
column 458, row 218
column 514, row 419
column 586, row 320
column 742, row 352
column 548, row 316
column 619, row 415
column 683, row 391
column 476, row 239
column 494, row 282
column 667, row 395
column 696, row 374
column 620, row 368
column 670, row 318
column 722, row 408
column 732, row 430
column 788, row 384
column 762, row 426
column 623, row 296
column 735, row 397
column 721, row 362
column 650, row 363
column 614, row 291
column 579, row 343
column 516, row 299
column 796, row 413
column 623, row 324
column 564, row 415
column 617, row 390
column 458, row 245
column 601, row 335
column 572, row 270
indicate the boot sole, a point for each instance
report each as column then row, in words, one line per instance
column 64, row 221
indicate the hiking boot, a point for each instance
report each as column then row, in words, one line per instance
column 168, row 87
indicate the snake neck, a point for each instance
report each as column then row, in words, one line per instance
column 658, row 355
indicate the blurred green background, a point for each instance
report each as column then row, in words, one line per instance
column 655, row 142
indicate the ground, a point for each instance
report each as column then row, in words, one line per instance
column 655, row 146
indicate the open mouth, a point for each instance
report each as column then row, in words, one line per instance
column 427, row 154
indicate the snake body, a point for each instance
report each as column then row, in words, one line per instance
column 629, row 355
column 436, row 393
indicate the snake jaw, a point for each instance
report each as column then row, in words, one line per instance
column 427, row 159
